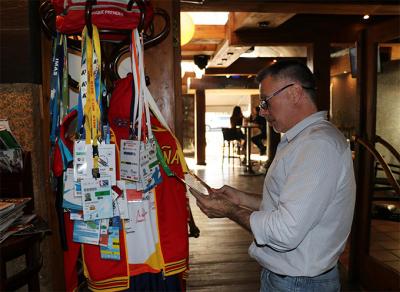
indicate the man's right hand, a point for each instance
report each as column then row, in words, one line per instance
column 228, row 193
column 237, row 197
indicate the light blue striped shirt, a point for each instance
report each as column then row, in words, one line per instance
column 308, row 201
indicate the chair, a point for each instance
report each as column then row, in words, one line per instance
column 230, row 139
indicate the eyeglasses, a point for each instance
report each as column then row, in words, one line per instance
column 264, row 104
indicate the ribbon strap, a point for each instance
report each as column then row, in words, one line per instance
column 91, row 108
column 59, row 97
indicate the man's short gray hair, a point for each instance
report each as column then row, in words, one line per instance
column 292, row 70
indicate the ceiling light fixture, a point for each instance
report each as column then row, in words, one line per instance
column 187, row 28
column 366, row 16
column 263, row 24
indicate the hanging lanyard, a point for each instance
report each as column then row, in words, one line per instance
column 82, row 89
column 135, row 57
column 91, row 55
column 64, row 108
column 59, row 96
column 141, row 100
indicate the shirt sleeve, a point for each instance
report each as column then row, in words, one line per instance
column 312, row 171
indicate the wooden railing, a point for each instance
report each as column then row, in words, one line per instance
column 388, row 146
column 385, row 167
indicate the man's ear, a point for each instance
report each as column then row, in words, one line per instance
column 296, row 94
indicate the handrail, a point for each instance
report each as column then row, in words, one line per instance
column 371, row 149
column 379, row 139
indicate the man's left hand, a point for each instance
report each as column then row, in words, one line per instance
column 213, row 206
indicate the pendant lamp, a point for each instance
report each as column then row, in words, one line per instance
column 187, row 28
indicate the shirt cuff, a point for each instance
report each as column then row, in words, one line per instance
column 257, row 219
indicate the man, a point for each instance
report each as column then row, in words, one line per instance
column 262, row 124
column 301, row 223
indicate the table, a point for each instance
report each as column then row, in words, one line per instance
column 248, row 171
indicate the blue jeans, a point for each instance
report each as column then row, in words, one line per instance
column 327, row 282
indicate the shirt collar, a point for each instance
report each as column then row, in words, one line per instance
column 300, row 126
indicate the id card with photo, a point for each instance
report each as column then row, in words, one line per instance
column 96, row 198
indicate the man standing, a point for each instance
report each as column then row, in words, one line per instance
column 302, row 221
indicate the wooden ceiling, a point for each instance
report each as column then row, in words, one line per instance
column 278, row 24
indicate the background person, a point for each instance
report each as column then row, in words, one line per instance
column 236, row 120
column 262, row 124
column 302, row 221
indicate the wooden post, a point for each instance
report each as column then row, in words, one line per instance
column 162, row 65
column 200, row 129
column 318, row 60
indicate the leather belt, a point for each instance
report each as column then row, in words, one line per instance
column 326, row 272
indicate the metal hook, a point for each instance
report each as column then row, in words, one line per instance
column 142, row 7
column 47, row 17
column 88, row 16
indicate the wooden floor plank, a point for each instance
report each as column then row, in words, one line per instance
column 219, row 259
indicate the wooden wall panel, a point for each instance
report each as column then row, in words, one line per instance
column 162, row 64
column 19, row 41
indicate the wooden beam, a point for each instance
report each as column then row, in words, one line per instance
column 185, row 78
column 350, row 7
column 218, row 82
column 246, row 20
column 301, row 30
column 245, row 66
column 210, row 34
column 189, row 50
column 227, row 53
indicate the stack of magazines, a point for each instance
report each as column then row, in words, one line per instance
column 12, row 217
column 10, row 152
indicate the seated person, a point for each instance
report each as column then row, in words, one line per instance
column 236, row 122
column 262, row 124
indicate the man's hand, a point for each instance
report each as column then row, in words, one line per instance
column 227, row 193
column 214, row 205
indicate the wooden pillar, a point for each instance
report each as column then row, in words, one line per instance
column 162, row 65
column 318, row 60
column 200, row 129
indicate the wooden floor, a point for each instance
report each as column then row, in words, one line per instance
column 218, row 258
